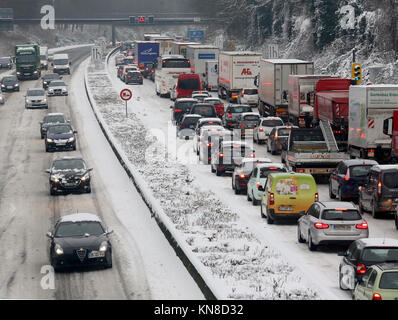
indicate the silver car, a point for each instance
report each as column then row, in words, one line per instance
column 331, row 223
column 36, row 98
column 57, row 88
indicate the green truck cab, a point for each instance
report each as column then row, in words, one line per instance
column 27, row 61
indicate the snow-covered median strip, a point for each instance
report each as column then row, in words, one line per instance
column 230, row 259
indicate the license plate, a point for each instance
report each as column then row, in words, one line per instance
column 69, row 184
column 9, row 87
column 249, row 131
column 27, row 74
column 285, row 209
column 61, row 144
column 96, row 254
column 320, row 170
column 341, row 227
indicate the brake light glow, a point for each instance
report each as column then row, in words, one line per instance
column 271, row 199
column 362, row 226
column 177, row 110
column 260, row 129
column 361, row 268
column 242, row 126
column 376, row 296
column 347, row 176
column 242, row 176
column 379, row 185
column 229, row 115
column 276, row 134
column 221, row 155
column 252, row 155
column 316, row 197
column 258, row 184
column 320, row 225
column 209, row 144
column 164, row 84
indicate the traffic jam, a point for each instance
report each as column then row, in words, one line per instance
column 318, row 151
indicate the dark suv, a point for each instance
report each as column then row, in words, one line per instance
column 204, row 109
column 181, row 107
column 232, row 114
column 379, row 194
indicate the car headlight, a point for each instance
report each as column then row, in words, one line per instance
column 18, row 73
column 44, row 82
column 16, row 85
column 71, row 139
column 2, row 85
column 58, row 249
column 28, row 101
column 104, row 246
column 35, row 71
column 86, row 177
column 54, row 179
column 45, row 100
column 50, row 140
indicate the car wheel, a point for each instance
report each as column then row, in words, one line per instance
column 237, row 191
column 268, row 150
column 300, row 239
column 212, row 169
column 262, row 213
column 375, row 214
column 331, row 194
column 248, row 196
column 109, row 259
column 311, row 245
column 269, row 219
column 47, row 150
column 273, row 152
column 52, row 192
column 396, row 221
column 88, row 189
column 341, row 198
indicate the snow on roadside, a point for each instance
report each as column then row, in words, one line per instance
column 236, row 262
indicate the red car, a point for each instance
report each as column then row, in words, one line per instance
column 186, row 84
column 217, row 103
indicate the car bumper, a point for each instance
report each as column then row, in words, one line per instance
column 282, row 215
column 36, row 105
column 7, row 89
column 262, row 136
column 53, row 94
column 226, row 167
column 72, row 261
column 134, row 81
column 321, row 238
column 61, row 71
column 77, row 187
column 55, row 146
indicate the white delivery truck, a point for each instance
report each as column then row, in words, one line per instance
column 44, row 58
column 371, row 111
column 237, row 70
column 273, row 84
column 198, row 54
column 166, row 44
column 211, row 75
column 61, row 63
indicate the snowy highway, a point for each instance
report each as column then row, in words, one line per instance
column 144, row 264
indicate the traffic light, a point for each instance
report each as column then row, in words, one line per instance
column 132, row 20
column 357, row 73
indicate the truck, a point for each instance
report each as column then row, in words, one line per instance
column 61, row 63
column 181, row 47
column 44, row 58
column 312, row 150
column 302, row 99
column 273, row 84
column 27, row 61
column 237, row 70
column 198, row 54
column 211, row 75
column 166, row 44
column 146, row 52
column 371, row 108
column 331, row 106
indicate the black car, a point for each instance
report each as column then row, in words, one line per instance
column 80, row 240
column 50, row 119
column 69, row 174
column 9, row 83
column 60, row 137
column 362, row 254
column 186, row 128
column 232, row 114
column 345, row 180
column 147, row 70
column 5, row 63
column 47, row 78
column 278, row 137
column 181, row 107
column 205, row 110
column 133, row 77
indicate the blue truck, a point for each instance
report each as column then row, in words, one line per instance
column 146, row 52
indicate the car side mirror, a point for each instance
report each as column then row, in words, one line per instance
column 70, row 63
column 90, row 169
column 342, row 254
column 48, row 171
column 108, row 231
column 49, row 235
column 171, row 107
column 75, row 131
column 41, row 122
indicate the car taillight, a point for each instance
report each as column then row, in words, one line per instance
column 258, row 184
column 316, row 197
column 362, row 226
column 221, row 155
column 164, row 84
column 376, row 296
column 261, row 129
column 271, row 199
column 320, row 225
column 242, row 176
column 347, row 176
column 177, row 110
column 209, row 144
column 140, row 77
column 300, row 170
column 128, row 76
column 276, row 135
column 361, row 268
column 230, row 115
column 182, row 126
column 379, row 185
column 242, row 126
column 252, row 155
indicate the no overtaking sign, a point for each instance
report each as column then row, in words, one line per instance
column 126, row 95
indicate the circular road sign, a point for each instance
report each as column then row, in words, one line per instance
column 126, row 94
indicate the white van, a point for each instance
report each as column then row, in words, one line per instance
column 61, row 63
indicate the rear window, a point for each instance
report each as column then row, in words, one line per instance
column 389, row 280
column 175, row 63
column 188, row 84
column 264, row 172
column 206, row 111
column 185, row 106
column 250, row 91
column 378, row 255
column 240, row 109
column 359, row 171
column 341, row 215
column 283, row 132
column 308, row 135
column 251, row 118
column 272, row 123
column 391, row 180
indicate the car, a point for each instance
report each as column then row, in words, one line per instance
column 128, row 60
column 50, row 119
column 379, row 194
column 69, row 174
column 57, row 88
column 36, row 98
column 133, row 77
column 126, row 69
column 79, row 240
column 60, row 137
column 181, row 106
column 331, row 223
column 2, row 99
column 199, row 96
column 345, row 180
column 186, row 127
column 202, row 132
column 246, row 122
column 264, row 128
column 5, row 63
column 242, row 173
column 211, row 139
column 119, row 59
column 201, row 92
column 287, row 196
column 361, row 255
column 204, row 109
column 249, row 96
column 232, row 113
column 201, row 123
column 151, row 74
column 147, row 70
column 47, row 78
column 186, row 84
column 379, row 283
column 229, row 154
column 9, row 83
column 218, row 105
column 258, row 177
column 278, row 138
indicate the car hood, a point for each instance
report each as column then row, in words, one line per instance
column 60, row 136
column 10, row 83
column 36, row 97
column 91, row 242
column 47, row 124
column 57, row 87
column 60, row 174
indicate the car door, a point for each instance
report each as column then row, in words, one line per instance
column 369, row 189
column 335, row 177
column 360, row 288
column 368, row 289
column 305, row 222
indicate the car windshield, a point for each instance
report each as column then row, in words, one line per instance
column 341, row 215
column 175, row 63
column 283, row 132
column 54, row 119
column 359, row 171
column 57, row 84
column 79, row 229
column 213, row 102
column 65, row 129
column 185, row 105
column 10, row 78
column 69, row 164
column 251, row 118
column 27, row 58
column 190, row 121
column 264, row 172
column 189, row 84
column 35, row 93
column 131, row 69
column 389, row 280
column 206, row 111
column 308, row 135
column 134, row 74
column 61, row 62
column 43, row 57
column 240, row 109
column 272, row 123
column 5, row 60
column 378, row 255
column 250, row 91
column 391, row 180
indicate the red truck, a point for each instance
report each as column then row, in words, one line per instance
column 331, row 104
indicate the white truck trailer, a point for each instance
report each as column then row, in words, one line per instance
column 273, row 84
column 237, row 70
column 211, row 75
column 198, row 54
column 371, row 110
